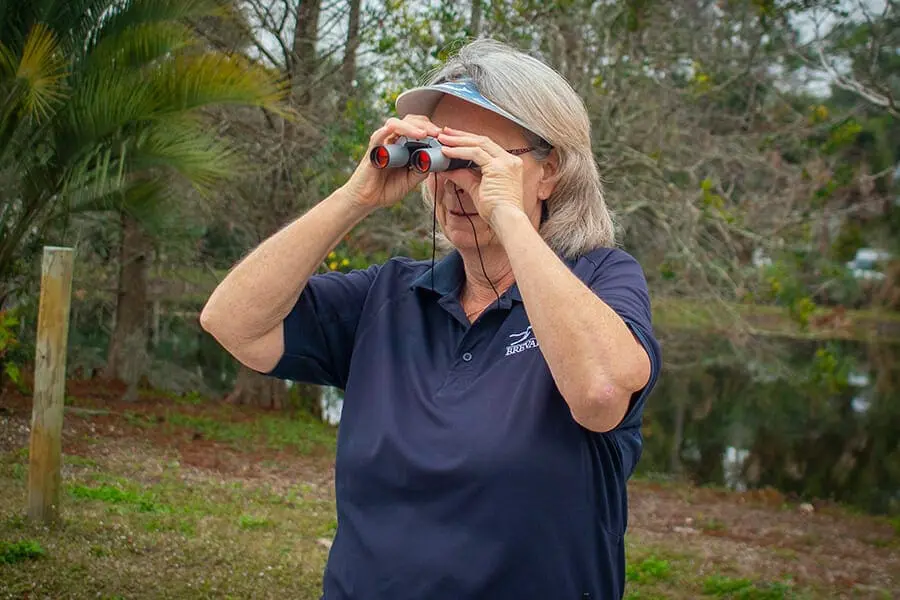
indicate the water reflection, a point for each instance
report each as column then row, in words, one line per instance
column 815, row 421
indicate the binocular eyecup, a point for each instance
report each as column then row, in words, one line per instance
column 424, row 156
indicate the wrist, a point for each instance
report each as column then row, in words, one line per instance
column 507, row 219
column 349, row 199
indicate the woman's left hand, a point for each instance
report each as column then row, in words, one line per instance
column 501, row 182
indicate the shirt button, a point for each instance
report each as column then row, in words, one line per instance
column 467, row 356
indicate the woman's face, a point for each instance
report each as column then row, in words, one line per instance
column 455, row 207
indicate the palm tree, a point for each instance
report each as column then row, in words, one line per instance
column 103, row 107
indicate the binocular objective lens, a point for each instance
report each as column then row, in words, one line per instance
column 422, row 162
column 382, row 157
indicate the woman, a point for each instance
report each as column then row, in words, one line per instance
column 492, row 404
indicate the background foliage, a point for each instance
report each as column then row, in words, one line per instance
column 749, row 149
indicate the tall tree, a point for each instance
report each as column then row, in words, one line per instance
column 293, row 146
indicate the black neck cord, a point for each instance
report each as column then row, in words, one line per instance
column 474, row 234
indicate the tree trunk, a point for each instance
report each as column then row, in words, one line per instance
column 127, row 355
column 308, row 398
column 475, row 18
column 302, row 63
column 348, row 68
column 254, row 389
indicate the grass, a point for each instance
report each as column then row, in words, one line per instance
column 676, row 571
column 276, row 432
column 78, row 461
column 253, row 522
column 115, row 495
column 175, row 537
column 14, row 552
column 649, row 570
column 744, row 589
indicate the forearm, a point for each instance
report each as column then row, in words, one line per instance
column 593, row 356
column 259, row 292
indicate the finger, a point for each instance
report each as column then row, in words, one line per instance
column 425, row 123
column 379, row 136
column 406, row 128
column 414, row 126
column 476, row 154
column 469, row 139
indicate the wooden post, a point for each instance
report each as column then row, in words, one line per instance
column 49, row 384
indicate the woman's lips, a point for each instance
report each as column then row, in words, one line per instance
column 456, row 213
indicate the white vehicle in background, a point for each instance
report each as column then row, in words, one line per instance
column 867, row 262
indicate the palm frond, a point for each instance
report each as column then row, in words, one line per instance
column 103, row 103
column 97, row 180
column 42, row 71
column 23, row 141
column 140, row 45
column 11, row 93
column 146, row 199
column 90, row 200
column 82, row 19
column 186, row 148
column 72, row 20
column 7, row 62
column 130, row 13
column 152, row 201
column 96, row 173
column 191, row 82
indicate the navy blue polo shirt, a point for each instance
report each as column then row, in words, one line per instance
column 460, row 472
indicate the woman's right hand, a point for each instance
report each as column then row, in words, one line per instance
column 375, row 188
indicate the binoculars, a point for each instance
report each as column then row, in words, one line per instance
column 424, row 156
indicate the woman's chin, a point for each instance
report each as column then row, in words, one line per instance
column 462, row 238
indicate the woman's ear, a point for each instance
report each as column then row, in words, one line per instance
column 549, row 175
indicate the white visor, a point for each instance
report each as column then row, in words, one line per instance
column 423, row 100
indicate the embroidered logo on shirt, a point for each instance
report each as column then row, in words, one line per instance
column 522, row 341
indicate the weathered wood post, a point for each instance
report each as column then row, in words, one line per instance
column 49, row 384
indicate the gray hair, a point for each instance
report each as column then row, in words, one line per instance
column 577, row 218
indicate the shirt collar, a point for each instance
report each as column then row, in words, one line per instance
column 449, row 275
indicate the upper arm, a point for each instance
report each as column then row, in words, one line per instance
column 318, row 334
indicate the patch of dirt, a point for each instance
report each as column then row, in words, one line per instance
column 98, row 423
column 852, row 553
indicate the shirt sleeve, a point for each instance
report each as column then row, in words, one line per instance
column 320, row 330
column 619, row 281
